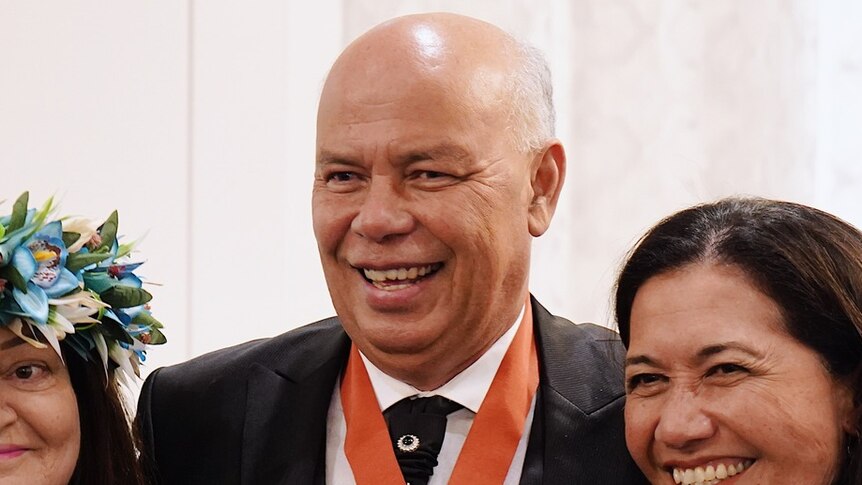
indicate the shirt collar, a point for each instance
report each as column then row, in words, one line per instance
column 468, row 388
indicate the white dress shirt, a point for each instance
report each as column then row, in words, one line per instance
column 468, row 389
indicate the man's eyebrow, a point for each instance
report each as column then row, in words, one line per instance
column 12, row 342
column 325, row 157
column 442, row 151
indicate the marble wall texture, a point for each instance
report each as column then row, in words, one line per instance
column 196, row 120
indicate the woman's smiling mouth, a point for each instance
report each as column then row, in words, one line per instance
column 12, row 451
column 711, row 474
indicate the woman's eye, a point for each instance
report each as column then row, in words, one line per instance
column 644, row 380
column 29, row 372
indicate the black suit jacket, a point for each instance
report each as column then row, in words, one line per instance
column 256, row 413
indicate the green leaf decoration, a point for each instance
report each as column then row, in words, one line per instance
column 10, row 274
column 108, row 231
column 147, row 320
column 124, row 249
column 42, row 215
column 77, row 261
column 98, row 281
column 125, row 296
column 70, row 238
column 114, row 330
column 157, row 337
column 2, row 231
column 19, row 212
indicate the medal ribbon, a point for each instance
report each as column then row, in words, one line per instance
column 493, row 438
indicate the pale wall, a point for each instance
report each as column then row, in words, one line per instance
column 196, row 120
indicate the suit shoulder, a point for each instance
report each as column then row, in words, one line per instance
column 594, row 332
column 233, row 362
column 583, row 363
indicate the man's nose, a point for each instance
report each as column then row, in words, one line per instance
column 684, row 422
column 384, row 212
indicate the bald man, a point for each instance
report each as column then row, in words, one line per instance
column 436, row 166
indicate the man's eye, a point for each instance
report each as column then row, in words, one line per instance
column 430, row 174
column 341, row 177
column 726, row 369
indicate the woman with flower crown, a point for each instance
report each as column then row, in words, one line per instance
column 74, row 326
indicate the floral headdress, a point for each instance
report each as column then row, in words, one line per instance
column 71, row 281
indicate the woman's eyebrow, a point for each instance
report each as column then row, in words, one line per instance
column 712, row 350
column 702, row 355
column 12, row 342
column 639, row 359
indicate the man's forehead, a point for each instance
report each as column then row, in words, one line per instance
column 442, row 46
column 401, row 154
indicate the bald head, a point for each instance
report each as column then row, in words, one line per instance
column 477, row 62
column 429, row 168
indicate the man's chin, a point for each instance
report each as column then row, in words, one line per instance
column 395, row 342
column 406, row 347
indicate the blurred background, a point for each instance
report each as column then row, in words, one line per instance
column 196, row 120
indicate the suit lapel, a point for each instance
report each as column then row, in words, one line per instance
column 571, row 389
column 277, row 446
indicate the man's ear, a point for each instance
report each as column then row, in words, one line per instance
column 547, row 173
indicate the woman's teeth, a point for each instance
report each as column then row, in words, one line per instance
column 711, row 475
column 386, row 279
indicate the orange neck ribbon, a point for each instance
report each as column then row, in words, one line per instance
column 494, row 436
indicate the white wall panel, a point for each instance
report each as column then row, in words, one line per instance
column 677, row 103
column 256, row 71
column 839, row 115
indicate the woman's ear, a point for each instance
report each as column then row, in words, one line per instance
column 547, row 173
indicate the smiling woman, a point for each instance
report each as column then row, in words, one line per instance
column 742, row 320
column 41, row 434
column 74, row 324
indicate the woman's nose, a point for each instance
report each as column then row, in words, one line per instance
column 7, row 412
column 684, row 421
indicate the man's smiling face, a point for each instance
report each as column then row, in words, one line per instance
column 421, row 208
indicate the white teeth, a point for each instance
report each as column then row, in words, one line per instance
column 710, row 475
column 398, row 274
column 688, row 477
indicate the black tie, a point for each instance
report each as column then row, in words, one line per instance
column 417, row 427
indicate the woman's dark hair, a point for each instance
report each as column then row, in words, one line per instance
column 808, row 261
column 108, row 452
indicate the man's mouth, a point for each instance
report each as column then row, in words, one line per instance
column 712, row 474
column 398, row 278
